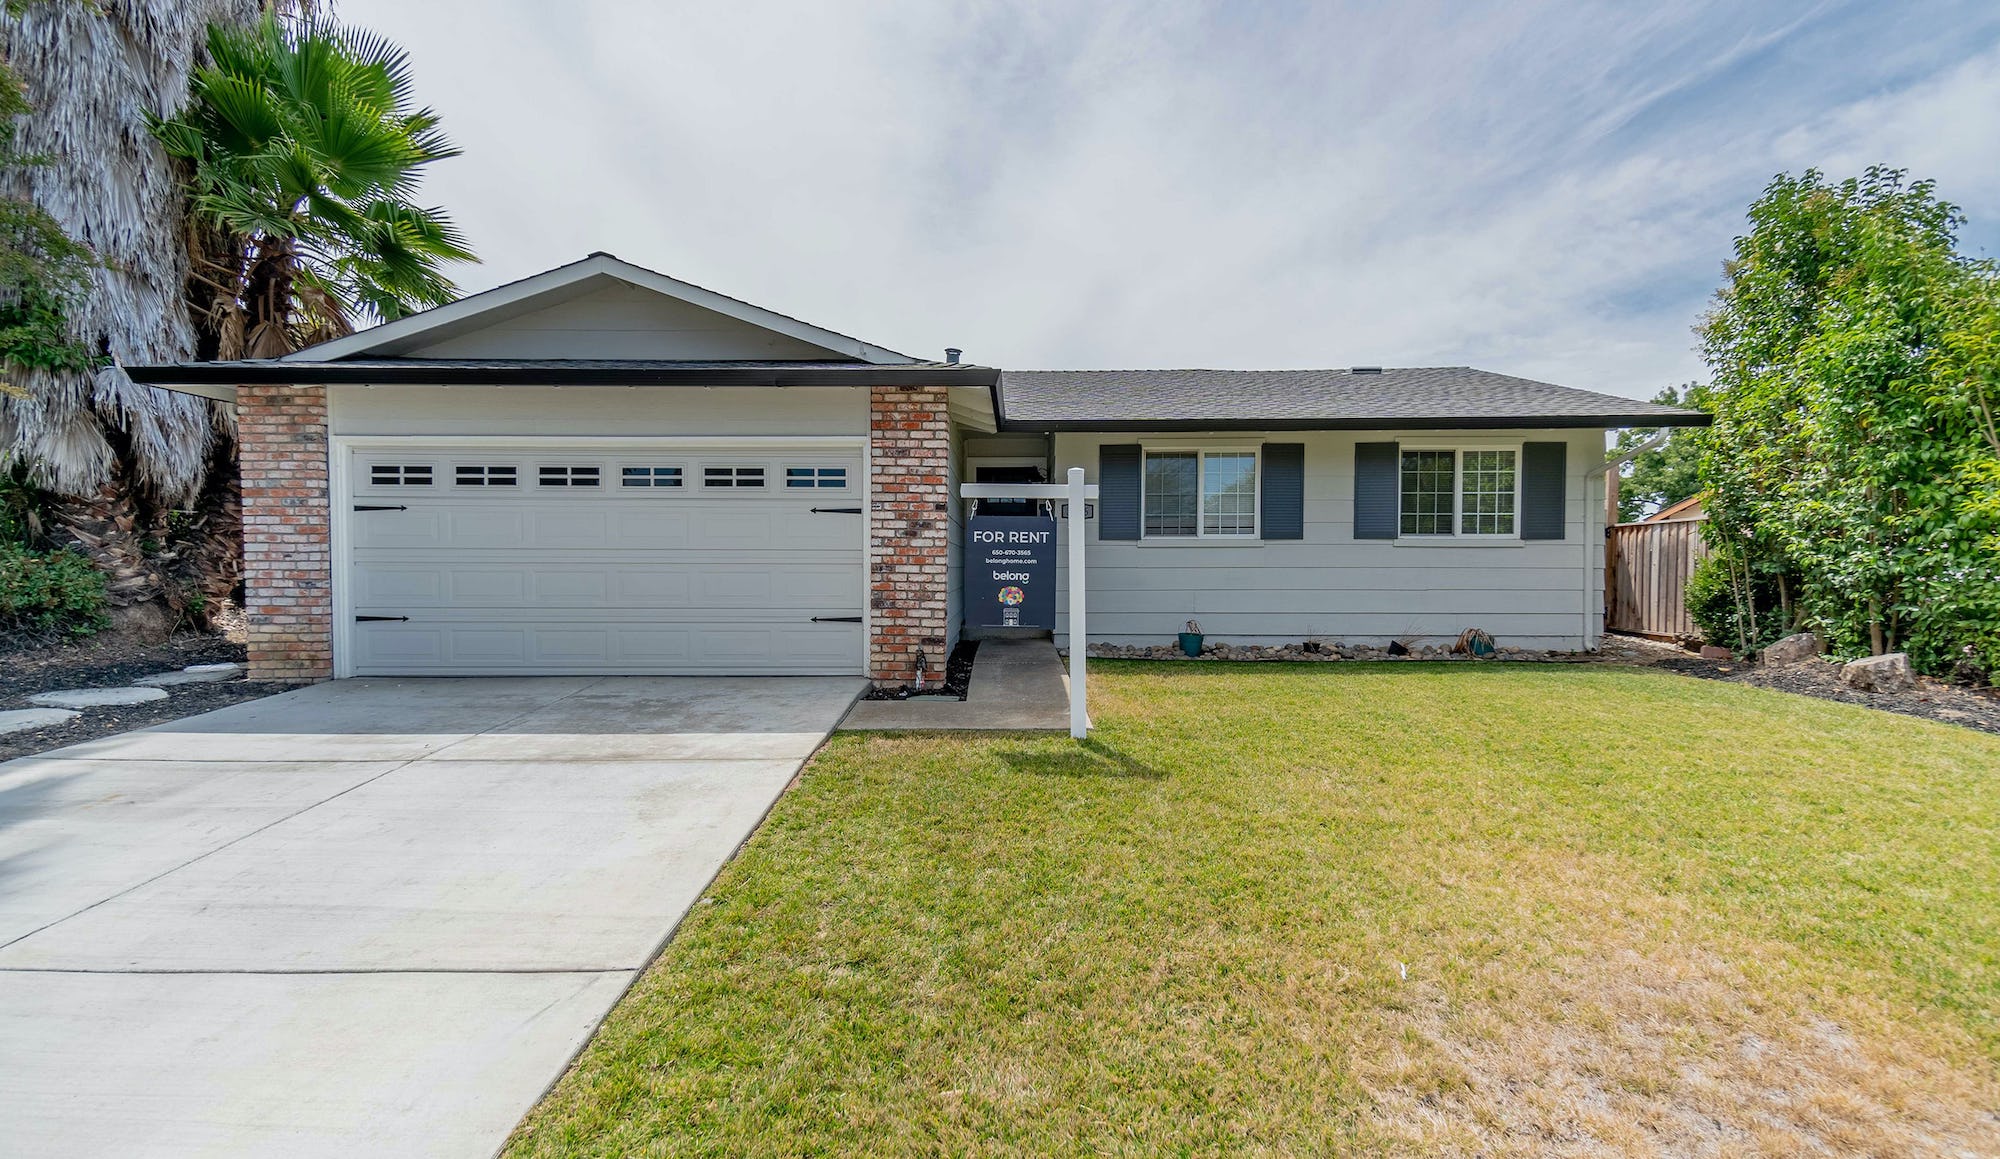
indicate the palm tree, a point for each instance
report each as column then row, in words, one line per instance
column 117, row 456
column 305, row 153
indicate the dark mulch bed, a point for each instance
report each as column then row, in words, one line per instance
column 30, row 666
column 957, row 678
column 1931, row 699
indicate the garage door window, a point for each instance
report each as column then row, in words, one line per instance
column 737, row 477
column 820, row 478
column 399, row 475
column 569, row 476
column 472, row 475
column 651, row 476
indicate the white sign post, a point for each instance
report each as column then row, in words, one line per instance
column 1077, row 495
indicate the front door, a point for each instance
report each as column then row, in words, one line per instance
column 1009, row 474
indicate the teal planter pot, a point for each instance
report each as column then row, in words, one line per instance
column 1191, row 645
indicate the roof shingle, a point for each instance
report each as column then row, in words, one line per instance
column 1435, row 396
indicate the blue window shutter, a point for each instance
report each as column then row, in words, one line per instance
column 1118, row 491
column 1544, row 467
column 1377, row 490
column 1284, row 487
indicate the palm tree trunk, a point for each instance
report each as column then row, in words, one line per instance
column 211, row 544
column 109, row 528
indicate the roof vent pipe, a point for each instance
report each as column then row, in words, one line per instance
column 1364, row 370
column 951, row 354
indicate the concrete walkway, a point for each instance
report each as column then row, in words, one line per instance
column 1017, row 685
column 373, row 917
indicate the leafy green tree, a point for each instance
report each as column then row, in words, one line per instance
column 1852, row 462
column 305, row 154
column 1660, row 477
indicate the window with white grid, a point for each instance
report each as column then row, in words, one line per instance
column 568, row 476
column 1229, row 493
column 1428, row 478
column 820, row 478
column 399, row 475
column 650, row 476
column 1200, row 494
column 1460, row 492
column 480, row 475
column 732, row 477
column 1486, row 493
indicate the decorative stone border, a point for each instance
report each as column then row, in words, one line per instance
column 1322, row 652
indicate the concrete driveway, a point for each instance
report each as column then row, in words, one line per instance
column 373, row 917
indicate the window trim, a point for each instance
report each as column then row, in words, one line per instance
column 1458, row 451
column 1201, row 451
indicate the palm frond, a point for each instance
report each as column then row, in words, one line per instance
column 90, row 73
column 310, row 140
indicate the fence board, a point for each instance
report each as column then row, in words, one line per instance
column 1646, row 569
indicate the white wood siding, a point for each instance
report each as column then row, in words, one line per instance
column 594, row 410
column 1331, row 586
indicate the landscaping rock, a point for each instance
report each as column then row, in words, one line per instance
column 1890, row 673
column 23, row 719
column 192, row 674
column 1794, row 649
column 1716, row 652
column 96, row 697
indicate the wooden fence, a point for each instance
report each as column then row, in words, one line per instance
column 1646, row 569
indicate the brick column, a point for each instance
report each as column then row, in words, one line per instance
column 908, row 521
column 287, row 554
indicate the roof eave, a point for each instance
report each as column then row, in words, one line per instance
column 190, row 377
column 1447, row 422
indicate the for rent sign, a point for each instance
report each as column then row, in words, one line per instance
column 1010, row 575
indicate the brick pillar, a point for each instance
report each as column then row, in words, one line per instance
column 287, row 554
column 908, row 515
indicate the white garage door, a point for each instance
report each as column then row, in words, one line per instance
column 565, row 558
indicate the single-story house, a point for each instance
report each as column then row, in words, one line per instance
column 602, row 469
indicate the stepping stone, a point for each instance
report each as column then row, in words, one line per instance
column 96, row 697
column 192, row 674
column 23, row 719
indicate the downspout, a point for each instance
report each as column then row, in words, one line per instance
column 1596, row 542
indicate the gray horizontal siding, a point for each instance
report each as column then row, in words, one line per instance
column 1331, row 586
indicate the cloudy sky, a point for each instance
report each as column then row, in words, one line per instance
column 1546, row 189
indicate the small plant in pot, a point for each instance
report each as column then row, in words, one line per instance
column 1191, row 641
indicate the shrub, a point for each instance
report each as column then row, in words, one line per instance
column 57, row 591
column 1713, row 601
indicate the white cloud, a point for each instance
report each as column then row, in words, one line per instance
column 1546, row 189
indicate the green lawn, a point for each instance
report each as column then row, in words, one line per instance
column 1301, row 909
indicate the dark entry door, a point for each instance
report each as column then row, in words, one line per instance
column 1009, row 475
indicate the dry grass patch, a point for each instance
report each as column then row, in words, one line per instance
column 1299, row 910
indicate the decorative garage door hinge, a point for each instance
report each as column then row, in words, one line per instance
column 836, row 619
column 373, row 507
column 836, row 511
column 379, row 619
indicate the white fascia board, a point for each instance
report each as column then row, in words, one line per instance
column 513, row 294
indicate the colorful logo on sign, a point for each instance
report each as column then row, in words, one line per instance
column 1012, row 597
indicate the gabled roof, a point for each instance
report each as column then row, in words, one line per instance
column 1360, row 398
column 573, row 280
column 559, row 372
